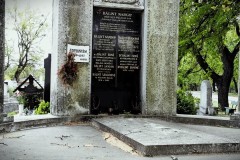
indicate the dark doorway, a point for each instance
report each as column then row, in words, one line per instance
column 116, row 61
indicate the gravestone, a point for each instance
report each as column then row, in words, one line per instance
column 133, row 48
column 47, row 66
column 205, row 106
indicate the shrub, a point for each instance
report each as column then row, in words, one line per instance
column 43, row 108
column 21, row 97
column 185, row 103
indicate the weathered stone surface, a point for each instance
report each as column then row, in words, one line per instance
column 162, row 52
column 2, row 41
column 235, row 117
column 71, row 25
column 205, row 106
column 10, row 107
column 153, row 137
column 123, row 4
column 136, row 2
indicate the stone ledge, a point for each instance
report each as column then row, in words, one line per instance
column 194, row 119
column 148, row 143
column 235, row 117
column 206, row 121
column 47, row 122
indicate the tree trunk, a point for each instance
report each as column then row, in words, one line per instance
column 224, row 81
column 17, row 74
column 223, row 95
column 2, row 48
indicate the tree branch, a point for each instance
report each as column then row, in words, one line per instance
column 204, row 65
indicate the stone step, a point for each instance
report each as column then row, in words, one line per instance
column 152, row 137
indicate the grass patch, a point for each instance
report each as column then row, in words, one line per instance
column 11, row 114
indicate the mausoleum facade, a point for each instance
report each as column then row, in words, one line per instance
column 126, row 56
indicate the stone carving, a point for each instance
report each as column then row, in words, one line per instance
column 131, row 2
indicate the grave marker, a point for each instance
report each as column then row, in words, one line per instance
column 205, row 106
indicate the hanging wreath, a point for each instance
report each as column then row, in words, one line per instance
column 68, row 72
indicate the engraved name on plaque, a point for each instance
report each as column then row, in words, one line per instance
column 116, row 54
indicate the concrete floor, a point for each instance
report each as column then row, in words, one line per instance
column 76, row 141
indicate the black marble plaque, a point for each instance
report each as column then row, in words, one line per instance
column 116, row 59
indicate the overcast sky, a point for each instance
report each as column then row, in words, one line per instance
column 40, row 7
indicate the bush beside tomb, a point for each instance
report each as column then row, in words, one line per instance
column 43, row 108
column 185, row 103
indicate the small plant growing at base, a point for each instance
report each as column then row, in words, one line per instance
column 43, row 108
column 11, row 114
column 68, row 72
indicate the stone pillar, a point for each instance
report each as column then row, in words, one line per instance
column 2, row 48
column 162, row 54
column 71, row 25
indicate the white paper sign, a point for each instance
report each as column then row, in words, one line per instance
column 81, row 53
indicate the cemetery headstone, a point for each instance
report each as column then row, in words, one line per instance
column 205, row 106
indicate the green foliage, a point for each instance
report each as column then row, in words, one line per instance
column 209, row 42
column 11, row 114
column 10, row 91
column 21, row 99
column 185, row 103
column 43, row 108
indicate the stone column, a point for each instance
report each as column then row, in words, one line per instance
column 2, row 48
column 162, row 54
column 71, row 25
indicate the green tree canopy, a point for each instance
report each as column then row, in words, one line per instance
column 210, row 40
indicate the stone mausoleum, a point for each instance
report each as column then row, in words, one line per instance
column 126, row 54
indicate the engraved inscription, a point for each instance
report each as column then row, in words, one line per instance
column 116, row 44
column 116, row 56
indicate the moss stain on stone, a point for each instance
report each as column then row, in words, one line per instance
column 73, row 21
column 78, row 95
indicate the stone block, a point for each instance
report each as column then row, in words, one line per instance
column 235, row 117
